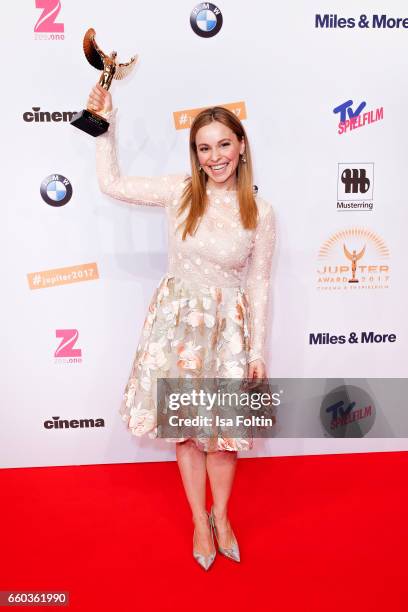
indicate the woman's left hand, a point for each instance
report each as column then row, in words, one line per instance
column 257, row 369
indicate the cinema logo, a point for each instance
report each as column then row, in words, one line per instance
column 65, row 353
column 46, row 27
column 353, row 259
column 36, row 115
column 355, row 187
column 58, row 423
column 184, row 118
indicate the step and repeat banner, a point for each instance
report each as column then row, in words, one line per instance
column 322, row 89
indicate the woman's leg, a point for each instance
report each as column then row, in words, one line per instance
column 221, row 467
column 192, row 465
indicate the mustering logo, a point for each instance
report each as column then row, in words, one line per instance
column 206, row 19
column 351, row 119
column 46, row 28
column 65, row 353
column 35, row 115
column 354, row 258
column 56, row 190
column 355, row 186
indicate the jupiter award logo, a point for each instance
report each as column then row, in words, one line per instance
column 353, row 259
column 206, row 19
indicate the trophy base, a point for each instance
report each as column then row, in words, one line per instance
column 88, row 122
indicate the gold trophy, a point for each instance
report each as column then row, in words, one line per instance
column 354, row 257
column 88, row 120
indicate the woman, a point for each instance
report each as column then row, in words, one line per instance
column 201, row 321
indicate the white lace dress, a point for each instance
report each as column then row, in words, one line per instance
column 208, row 315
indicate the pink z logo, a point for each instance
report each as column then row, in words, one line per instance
column 46, row 21
column 69, row 337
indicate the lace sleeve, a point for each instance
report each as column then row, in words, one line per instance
column 151, row 191
column 258, row 282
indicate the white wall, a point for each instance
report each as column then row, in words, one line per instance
column 290, row 75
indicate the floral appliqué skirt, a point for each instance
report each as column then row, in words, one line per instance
column 190, row 331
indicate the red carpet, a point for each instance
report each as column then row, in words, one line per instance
column 319, row 533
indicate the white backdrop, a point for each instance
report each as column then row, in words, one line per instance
column 290, row 75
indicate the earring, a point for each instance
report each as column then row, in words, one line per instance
column 199, row 167
column 243, row 158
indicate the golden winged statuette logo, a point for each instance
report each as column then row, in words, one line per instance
column 354, row 257
column 88, row 120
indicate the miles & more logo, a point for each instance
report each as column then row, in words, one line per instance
column 352, row 259
column 375, row 22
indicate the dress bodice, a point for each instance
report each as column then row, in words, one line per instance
column 221, row 253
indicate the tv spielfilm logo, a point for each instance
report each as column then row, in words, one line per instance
column 355, row 186
column 347, row 411
column 351, row 259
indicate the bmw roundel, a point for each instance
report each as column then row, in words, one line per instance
column 206, row 19
column 56, row 190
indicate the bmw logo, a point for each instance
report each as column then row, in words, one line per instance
column 206, row 19
column 56, row 190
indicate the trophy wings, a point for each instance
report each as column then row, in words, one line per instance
column 97, row 58
column 350, row 255
column 93, row 53
column 122, row 70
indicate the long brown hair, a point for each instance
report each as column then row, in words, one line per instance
column 194, row 194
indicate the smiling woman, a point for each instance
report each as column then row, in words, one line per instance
column 208, row 315
column 220, row 157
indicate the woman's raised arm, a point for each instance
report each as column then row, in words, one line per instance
column 152, row 190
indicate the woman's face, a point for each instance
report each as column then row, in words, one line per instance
column 218, row 151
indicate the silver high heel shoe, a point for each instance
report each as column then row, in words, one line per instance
column 205, row 560
column 231, row 553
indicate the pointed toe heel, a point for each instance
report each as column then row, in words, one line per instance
column 205, row 561
column 233, row 551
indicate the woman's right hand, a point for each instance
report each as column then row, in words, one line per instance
column 99, row 100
